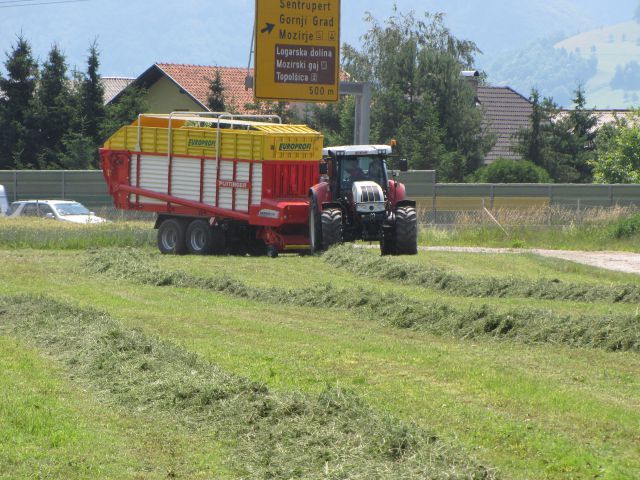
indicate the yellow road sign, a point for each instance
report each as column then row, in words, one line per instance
column 297, row 50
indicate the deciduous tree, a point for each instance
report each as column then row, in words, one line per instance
column 419, row 97
column 618, row 159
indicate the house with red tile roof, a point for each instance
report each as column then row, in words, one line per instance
column 177, row 87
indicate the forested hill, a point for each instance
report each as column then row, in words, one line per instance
column 133, row 35
column 497, row 25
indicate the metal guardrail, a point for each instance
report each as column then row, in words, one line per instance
column 89, row 188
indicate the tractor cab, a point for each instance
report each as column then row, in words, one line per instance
column 350, row 164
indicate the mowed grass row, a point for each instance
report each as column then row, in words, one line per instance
column 533, row 412
column 362, row 262
column 330, row 435
column 50, row 427
column 611, row 332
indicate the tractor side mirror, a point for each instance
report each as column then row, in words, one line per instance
column 324, row 168
column 404, row 165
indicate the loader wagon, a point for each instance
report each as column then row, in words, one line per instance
column 218, row 183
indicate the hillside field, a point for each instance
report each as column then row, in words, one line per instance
column 118, row 362
column 615, row 45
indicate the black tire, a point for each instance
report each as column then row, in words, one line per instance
column 387, row 243
column 257, row 248
column 172, row 237
column 331, row 221
column 218, row 241
column 315, row 227
column 406, row 235
column 199, row 237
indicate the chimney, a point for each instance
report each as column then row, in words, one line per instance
column 473, row 77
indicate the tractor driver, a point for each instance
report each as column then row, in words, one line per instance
column 355, row 172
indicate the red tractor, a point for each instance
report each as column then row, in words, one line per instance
column 357, row 200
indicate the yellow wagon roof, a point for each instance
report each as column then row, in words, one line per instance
column 178, row 121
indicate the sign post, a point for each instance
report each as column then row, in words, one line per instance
column 297, row 50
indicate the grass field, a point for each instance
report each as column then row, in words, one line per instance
column 614, row 45
column 122, row 363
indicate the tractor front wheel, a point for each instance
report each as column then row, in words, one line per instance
column 406, row 232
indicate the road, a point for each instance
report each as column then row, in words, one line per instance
column 619, row 261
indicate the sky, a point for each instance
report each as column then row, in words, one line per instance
column 134, row 34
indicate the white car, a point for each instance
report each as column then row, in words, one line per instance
column 64, row 210
column 4, row 203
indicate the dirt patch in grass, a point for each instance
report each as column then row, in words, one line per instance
column 610, row 332
column 363, row 263
column 275, row 435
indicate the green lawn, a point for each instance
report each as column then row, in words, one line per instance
column 543, row 411
column 51, row 428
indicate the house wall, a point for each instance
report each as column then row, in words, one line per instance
column 165, row 97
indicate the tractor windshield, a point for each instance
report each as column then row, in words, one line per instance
column 359, row 169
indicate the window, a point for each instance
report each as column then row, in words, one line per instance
column 44, row 210
column 358, row 169
column 30, row 210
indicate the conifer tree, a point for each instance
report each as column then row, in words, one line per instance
column 92, row 97
column 54, row 108
column 215, row 99
column 18, row 132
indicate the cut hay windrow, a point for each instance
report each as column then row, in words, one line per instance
column 332, row 435
column 609, row 332
column 361, row 262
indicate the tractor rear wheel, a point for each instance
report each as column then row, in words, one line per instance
column 172, row 237
column 331, row 221
column 406, row 237
column 199, row 237
column 315, row 227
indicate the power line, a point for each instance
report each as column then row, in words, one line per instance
column 42, row 3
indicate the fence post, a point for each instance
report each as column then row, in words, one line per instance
column 15, row 186
column 550, row 194
column 63, row 186
column 434, row 209
column 492, row 196
column 611, row 195
column 578, row 216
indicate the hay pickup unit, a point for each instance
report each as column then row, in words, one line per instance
column 222, row 183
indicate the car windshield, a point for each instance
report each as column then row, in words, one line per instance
column 65, row 209
column 12, row 208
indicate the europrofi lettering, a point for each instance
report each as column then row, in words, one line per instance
column 200, row 142
column 295, row 147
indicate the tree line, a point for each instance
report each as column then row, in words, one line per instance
column 419, row 98
column 54, row 118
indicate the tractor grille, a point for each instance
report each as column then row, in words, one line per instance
column 370, row 194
